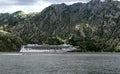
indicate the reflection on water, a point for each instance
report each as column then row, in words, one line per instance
column 69, row 63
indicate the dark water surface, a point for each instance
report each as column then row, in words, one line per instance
column 67, row 63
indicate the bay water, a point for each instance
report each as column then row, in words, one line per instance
column 54, row 63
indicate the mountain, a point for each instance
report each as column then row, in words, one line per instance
column 9, row 42
column 92, row 26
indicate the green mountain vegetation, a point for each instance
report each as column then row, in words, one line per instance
column 92, row 26
column 9, row 42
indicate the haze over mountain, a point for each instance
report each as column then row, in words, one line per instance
column 92, row 26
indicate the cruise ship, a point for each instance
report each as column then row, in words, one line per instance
column 47, row 48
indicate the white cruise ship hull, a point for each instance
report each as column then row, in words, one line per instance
column 48, row 48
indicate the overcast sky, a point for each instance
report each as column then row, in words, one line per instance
column 31, row 5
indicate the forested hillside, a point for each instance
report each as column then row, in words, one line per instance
column 92, row 26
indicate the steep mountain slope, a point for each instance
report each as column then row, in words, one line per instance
column 9, row 42
column 92, row 26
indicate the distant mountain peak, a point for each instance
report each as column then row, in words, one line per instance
column 95, row 1
column 18, row 13
column 62, row 4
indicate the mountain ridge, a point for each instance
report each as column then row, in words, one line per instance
column 92, row 26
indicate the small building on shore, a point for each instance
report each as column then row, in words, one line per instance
column 47, row 48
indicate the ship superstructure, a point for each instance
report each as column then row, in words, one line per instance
column 47, row 48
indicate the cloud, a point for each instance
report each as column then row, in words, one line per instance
column 25, row 5
column 31, row 5
column 17, row 2
column 34, row 2
column 65, row 1
column 26, row 2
